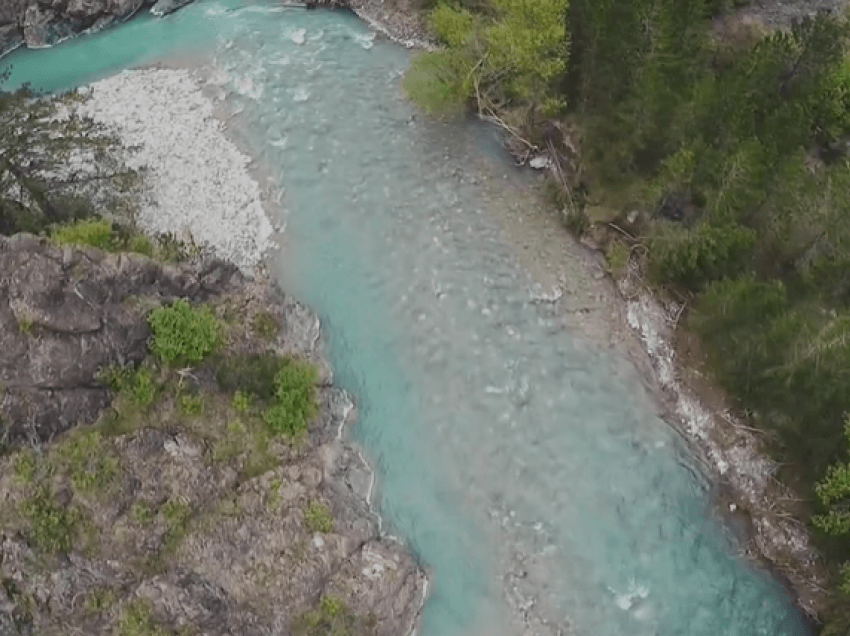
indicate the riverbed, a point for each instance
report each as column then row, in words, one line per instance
column 520, row 451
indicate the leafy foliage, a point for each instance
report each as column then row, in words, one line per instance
column 509, row 57
column 295, row 398
column 52, row 528
column 183, row 334
column 693, row 257
column 139, row 385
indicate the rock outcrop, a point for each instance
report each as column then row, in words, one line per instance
column 168, row 517
column 64, row 315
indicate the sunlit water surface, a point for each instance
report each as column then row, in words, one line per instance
column 510, row 453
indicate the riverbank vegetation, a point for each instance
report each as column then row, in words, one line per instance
column 718, row 149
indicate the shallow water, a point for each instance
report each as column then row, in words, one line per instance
column 517, row 460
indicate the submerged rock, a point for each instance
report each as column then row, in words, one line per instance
column 163, row 7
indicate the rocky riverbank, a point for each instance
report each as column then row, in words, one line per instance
column 36, row 24
column 175, row 509
column 139, row 495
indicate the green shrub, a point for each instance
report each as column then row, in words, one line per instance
column 617, row 257
column 92, row 232
column 295, row 398
column 52, row 528
column 741, row 322
column 318, row 518
column 183, row 334
column 252, row 374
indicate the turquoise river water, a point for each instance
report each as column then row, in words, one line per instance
column 511, row 454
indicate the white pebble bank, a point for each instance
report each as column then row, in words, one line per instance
column 198, row 181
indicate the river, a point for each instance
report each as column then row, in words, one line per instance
column 523, row 461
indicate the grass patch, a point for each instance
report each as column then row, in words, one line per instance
column 142, row 513
column 617, row 257
column 91, row 232
column 176, row 515
column 274, row 495
column 317, row 517
column 189, row 404
column 141, row 244
column 137, row 385
column 231, row 444
column 241, row 402
column 183, row 334
column 99, row 600
column 52, row 529
column 265, row 326
column 25, row 467
column 91, row 467
column 332, row 618
column 246, row 438
column 25, row 326
column 136, row 620
column 99, row 233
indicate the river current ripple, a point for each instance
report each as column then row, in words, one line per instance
column 525, row 465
